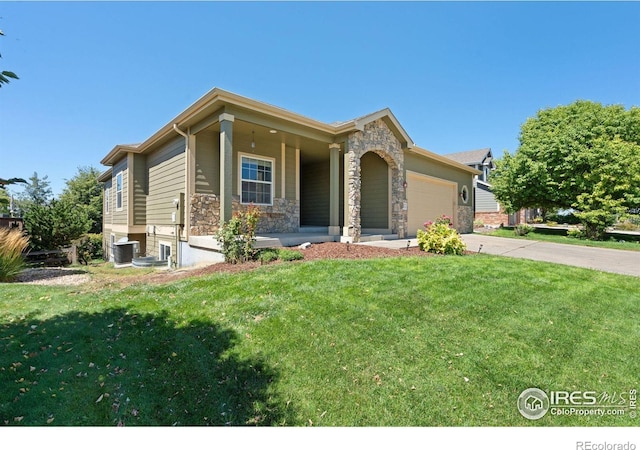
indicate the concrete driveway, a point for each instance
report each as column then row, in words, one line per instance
column 616, row 261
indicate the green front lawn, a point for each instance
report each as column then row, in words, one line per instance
column 618, row 244
column 442, row 341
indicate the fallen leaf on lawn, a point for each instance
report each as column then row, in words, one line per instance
column 50, row 419
column 100, row 398
column 31, row 368
column 466, row 379
column 18, row 419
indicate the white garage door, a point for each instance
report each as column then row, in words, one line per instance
column 428, row 198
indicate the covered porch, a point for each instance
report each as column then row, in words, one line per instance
column 313, row 235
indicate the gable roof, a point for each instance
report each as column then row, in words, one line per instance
column 471, row 157
column 444, row 159
column 206, row 110
column 217, row 100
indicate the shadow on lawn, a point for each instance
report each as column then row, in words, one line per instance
column 122, row 368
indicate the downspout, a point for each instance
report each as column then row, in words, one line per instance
column 186, row 188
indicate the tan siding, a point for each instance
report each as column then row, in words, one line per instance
column 139, row 190
column 107, row 219
column 166, row 181
column 374, row 212
column 314, row 194
column 290, row 172
column 208, row 163
column 120, row 215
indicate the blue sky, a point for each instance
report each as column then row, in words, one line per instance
column 457, row 75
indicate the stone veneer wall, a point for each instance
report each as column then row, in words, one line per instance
column 281, row 217
column 465, row 219
column 378, row 138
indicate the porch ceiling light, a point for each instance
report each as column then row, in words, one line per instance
column 253, row 141
column 273, row 131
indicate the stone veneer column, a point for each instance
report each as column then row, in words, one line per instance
column 226, row 167
column 352, row 229
column 376, row 137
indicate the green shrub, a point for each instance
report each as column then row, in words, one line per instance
column 439, row 237
column 478, row 223
column 522, row 229
column 12, row 244
column 286, row 254
column 267, row 255
column 576, row 233
column 567, row 218
column 551, row 223
column 237, row 236
column 89, row 247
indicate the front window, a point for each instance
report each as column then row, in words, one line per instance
column 119, row 191
column 256, row 180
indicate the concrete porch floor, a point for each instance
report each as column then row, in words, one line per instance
column 266, row 240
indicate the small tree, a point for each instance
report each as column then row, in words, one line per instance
column 85, row 191
column 36, row 192
column 238, row 235
column 55, row 225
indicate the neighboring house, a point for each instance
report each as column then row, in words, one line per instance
column 341, row 181
column 11, row 222
column 487, row 209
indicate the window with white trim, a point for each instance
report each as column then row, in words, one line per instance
column 119, row 191
column 107, row 200
column 256, row 180
column 165, row 251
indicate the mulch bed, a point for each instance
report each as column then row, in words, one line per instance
column 326, row 250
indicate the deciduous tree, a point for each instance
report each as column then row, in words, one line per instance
column 85, row 191
column 577, row 156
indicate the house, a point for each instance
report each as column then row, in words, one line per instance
column 343, row 181
column 487, row 209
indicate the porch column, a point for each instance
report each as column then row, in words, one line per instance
column 351, row 229
column 226, row 166
column 334, row 189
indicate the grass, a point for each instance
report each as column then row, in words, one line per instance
column 561, row 239
column 442, row 341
